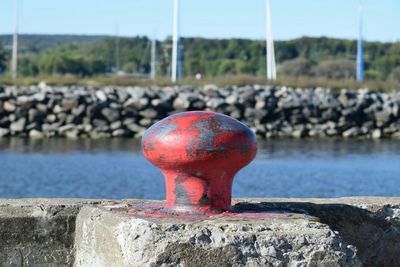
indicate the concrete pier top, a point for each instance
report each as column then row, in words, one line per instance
column 357, row 231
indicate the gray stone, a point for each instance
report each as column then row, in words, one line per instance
column 181, row 103
column 110, row 114
column 376, row 134
column 41, row 107
column 23, row 99
column 198, row 105
column 69, row 103
column 260, row 104
column 18, row 126
column 331, row 132
column 35, row 115
column 51, row 118
column 232, row 99
column 115, row 125
column 31, row 126
column 382, row 117
column 119, row 133
column 215, row 102
column 4, row 132
column 66, row 128
column 146, row 122
column 299, row 133
column 9, row 107
column 73, row 119
column 352, row 132
column 396, row 135
column 61, row 117
column 96, row 135
column 12, row 117
column 101, row 95
column 136, row 104
column 35, row 134
column 39, row 97
column 57, row 109
column 135, row 128
column 115, row 105
column 73, row 134
column 211, row 91
column 79, row 110
column 149, row 113
column 99, row 123
column 86, row 127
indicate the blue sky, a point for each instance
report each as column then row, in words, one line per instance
column 206, row 18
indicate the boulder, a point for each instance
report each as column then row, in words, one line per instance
column 18, row 126
column 36, row 134
column 110, row 114
column 4, row 132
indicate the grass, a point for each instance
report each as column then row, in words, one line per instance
column 229, row 80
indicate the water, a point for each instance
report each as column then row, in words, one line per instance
column 115, row 169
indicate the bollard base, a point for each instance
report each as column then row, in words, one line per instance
column 123, row 236
column 161, row 211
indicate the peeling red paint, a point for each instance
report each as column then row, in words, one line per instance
column 159, row 211
column 199, row 154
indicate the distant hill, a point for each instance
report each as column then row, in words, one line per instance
column 40, row 42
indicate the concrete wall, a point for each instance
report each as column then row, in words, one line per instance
column 38, row 232
column 63, row 232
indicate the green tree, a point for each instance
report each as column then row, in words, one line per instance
column 395, row 74
column 27, row 65
column 3, row 60
column 297, row 67
column 335, row 69
column 94, row 55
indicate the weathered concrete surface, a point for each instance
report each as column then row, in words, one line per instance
column 114, row 238
column 38, row 232
column 371, row 224
column 42, row 232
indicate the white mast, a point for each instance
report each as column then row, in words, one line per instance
column 271, row 67
column 153, row 59
column 360, row 50
column 175, row 40
column 117, row 65
column 14, row 58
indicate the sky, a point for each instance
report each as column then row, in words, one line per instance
column 206, row 18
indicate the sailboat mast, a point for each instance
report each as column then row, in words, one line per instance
column 14, row 58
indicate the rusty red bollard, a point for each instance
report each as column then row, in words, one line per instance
column 199, row 153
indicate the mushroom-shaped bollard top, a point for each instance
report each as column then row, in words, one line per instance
column 199, row 153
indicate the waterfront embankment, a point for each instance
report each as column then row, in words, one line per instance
column 271, row 111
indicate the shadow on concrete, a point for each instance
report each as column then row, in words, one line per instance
column 376, row 236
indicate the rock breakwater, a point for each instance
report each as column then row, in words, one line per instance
column 94, row 112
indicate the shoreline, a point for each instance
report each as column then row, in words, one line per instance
column 270, row 111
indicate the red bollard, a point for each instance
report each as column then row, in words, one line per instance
column 199, row 154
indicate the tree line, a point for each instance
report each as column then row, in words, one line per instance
column 97, row 55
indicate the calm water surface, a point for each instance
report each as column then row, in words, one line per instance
column 116, row 169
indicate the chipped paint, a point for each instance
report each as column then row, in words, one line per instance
column 159, row 211
column 199, row 154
